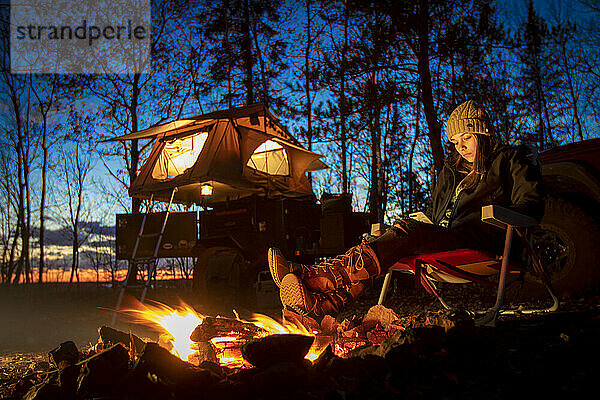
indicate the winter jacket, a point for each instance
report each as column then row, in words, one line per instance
column 512, row 179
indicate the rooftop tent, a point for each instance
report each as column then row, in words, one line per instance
column 238, row 152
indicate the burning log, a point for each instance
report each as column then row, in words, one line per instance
column 204, row 352
column 216, row 327
column 270, row 350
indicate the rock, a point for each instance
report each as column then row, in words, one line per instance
column 43, row 391
column 183, row 378
column 65, row 354
column 286, row 377
column 108, row 366
column 329, row 324
column 273, row 349
column 324, row 358
column 379, row 314
column 67, row 380
column 427, row 339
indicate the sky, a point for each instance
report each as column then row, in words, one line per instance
column 103, row 211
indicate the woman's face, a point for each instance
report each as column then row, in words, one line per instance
column 466, row 145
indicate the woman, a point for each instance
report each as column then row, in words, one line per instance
column 481, row 173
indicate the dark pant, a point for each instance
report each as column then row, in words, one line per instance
column 410, row 237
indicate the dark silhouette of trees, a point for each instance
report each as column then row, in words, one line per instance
column 247, row 52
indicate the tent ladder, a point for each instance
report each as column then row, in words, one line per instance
column 149, row 263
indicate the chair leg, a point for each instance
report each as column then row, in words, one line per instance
column 384, row 288
column 489, row 319
column 543, row 275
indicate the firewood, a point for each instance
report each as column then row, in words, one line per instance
column 205, row 352
column 64, row 355
column 216, row 327
column 273, row 349
column 113, row 336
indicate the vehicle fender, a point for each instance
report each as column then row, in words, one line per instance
column 568, row 177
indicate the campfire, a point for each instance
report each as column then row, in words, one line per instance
column 221, row 357
column 194, row 337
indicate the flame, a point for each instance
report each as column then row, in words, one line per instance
column 178, row 323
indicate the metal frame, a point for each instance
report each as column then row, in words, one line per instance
column 503, row 218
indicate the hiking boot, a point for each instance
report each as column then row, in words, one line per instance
column 358, row 264
column 296, row 297
column 279, row 266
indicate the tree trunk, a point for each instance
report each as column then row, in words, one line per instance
column 261, row 63
column 135, row 159
column 43, row 204
column 307, row 84
column 411, row 182
column 434, row 129
column 343, row 106
column 376, row 159
column 75, row 251
column 27, row 219
column 247, row 54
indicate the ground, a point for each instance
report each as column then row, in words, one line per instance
column 558, row 350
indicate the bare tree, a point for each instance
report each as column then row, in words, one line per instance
column 44, row 89
column 73, row 203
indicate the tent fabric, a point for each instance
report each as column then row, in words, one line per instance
column 230, row 138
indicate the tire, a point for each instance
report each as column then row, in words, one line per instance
column 217, row 274
column 566, row 243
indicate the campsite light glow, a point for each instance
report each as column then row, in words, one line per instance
column 206, row 190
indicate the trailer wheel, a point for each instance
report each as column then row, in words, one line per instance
column 567, row 244
column 217, row 274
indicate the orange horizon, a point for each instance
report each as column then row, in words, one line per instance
column 90, row 276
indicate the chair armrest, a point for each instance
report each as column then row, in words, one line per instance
column 502, row 217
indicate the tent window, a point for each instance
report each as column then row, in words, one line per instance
column 270, row 157
column 178, row 155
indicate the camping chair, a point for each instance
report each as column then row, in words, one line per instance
column 467, row 265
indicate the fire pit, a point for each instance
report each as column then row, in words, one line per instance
column 380, row 355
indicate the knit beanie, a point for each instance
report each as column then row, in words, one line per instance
column 467, row 118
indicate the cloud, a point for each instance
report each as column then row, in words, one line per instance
column 63, row 236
